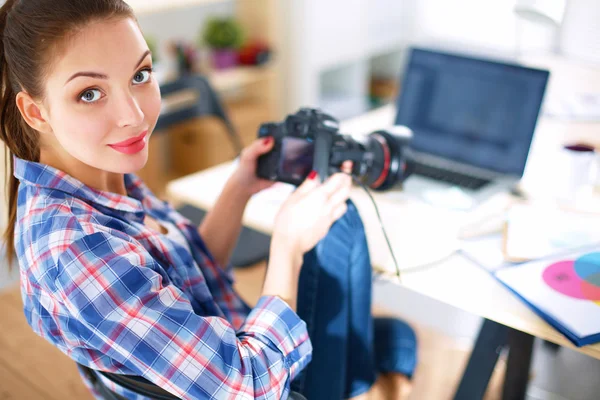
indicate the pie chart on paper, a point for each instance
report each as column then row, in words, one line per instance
column 579, row 278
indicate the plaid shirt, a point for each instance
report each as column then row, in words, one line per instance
column 116, row 296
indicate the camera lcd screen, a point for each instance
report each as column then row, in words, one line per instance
column 296, row 158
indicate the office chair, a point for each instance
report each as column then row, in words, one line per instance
column 208, row 104
column 140, row 386
column 252, row 246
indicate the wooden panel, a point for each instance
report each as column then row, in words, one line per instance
column 199, row 144
column 264, row 20
column 156, row 171
column 30, row 367
column 13, row 385
column 247, row 116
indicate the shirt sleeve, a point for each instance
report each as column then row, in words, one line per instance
column 114, row 290
column 196, row 240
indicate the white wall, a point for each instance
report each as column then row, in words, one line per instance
column 477, row 26
column 488, row 24
column 185, row 23
column 580, row 36
column 492, row 27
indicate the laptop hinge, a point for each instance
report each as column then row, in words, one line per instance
column 456, row 166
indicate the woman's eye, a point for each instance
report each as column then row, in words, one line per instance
column 141, row 77
column 90, row 96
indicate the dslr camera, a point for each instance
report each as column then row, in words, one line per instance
column 310, row 140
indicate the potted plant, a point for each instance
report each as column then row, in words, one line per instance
column 224, row 36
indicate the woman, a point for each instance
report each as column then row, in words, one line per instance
column 120, row 282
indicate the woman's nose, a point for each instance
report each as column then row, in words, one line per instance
column 128, row 111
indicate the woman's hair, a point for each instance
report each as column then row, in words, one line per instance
column 33, row 32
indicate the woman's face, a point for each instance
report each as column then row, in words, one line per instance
column 100, row 96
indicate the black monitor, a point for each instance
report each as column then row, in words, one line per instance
column 475, row 111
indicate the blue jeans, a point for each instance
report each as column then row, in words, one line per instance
column 350, row 347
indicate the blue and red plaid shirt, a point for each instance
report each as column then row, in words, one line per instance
column 116, row 296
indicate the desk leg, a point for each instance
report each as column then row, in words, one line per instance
column 491, row 340
column 518, row 365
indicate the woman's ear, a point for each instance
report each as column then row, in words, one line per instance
column 32, row 113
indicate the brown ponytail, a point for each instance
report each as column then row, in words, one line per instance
column 31, row 32
column 11, row 130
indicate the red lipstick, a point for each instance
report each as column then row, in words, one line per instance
column 132, row 145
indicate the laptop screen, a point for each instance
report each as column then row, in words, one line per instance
column 474, row 111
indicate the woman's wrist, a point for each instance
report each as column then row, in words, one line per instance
column 283, row 272
column 237, row 187
column 285, row 251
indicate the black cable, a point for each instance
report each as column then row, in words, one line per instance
column 366, row 188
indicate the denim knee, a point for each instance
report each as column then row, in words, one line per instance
column 395, row 346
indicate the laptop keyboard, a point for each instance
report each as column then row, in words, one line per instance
column 451, row 177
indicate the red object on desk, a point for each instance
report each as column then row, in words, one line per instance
column 255, row 53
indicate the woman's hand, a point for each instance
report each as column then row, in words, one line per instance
column 244, row 176
column 303, row 220
column 307, row 215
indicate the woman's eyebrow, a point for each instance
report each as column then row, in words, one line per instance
column 98, row 75
column 146, row 54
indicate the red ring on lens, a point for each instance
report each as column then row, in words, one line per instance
column 386, row 161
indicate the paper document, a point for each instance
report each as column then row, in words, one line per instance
column 564, row 290
column 535, row 231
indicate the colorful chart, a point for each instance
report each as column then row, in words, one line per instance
column 579, row 279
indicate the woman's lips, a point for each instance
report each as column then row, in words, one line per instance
column 131, row 146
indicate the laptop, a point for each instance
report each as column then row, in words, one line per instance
column 473, row 121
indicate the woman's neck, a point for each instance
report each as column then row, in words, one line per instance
column 88, row 175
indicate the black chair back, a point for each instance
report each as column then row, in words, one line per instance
column 207, row 104
column 139, row 385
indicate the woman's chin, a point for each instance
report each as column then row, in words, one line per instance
column 130, row 163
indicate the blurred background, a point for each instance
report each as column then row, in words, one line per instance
column 263, row 59
column 267, row 58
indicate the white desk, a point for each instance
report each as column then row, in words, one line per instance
column 451, row 279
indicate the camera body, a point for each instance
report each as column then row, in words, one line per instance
column 310, row 140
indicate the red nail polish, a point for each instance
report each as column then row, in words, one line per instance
column 312, row 175
column 267, row 140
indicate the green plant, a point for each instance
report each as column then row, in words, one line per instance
column 223, row 33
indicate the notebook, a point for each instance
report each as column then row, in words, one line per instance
column 564, row 290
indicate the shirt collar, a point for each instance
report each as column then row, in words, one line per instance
column 49, row 177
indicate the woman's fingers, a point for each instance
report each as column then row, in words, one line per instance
column 338, row 211
column 258, row 147
column 347, row 167
column 310, row 183
column 263, row 145
column 335, row 190
column 339, row 196
column 336, row 183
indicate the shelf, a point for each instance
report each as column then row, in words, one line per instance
column 222, row 81
column 153, row 6
column 234, row 78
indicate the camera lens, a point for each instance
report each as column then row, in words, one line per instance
column 388, row 165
